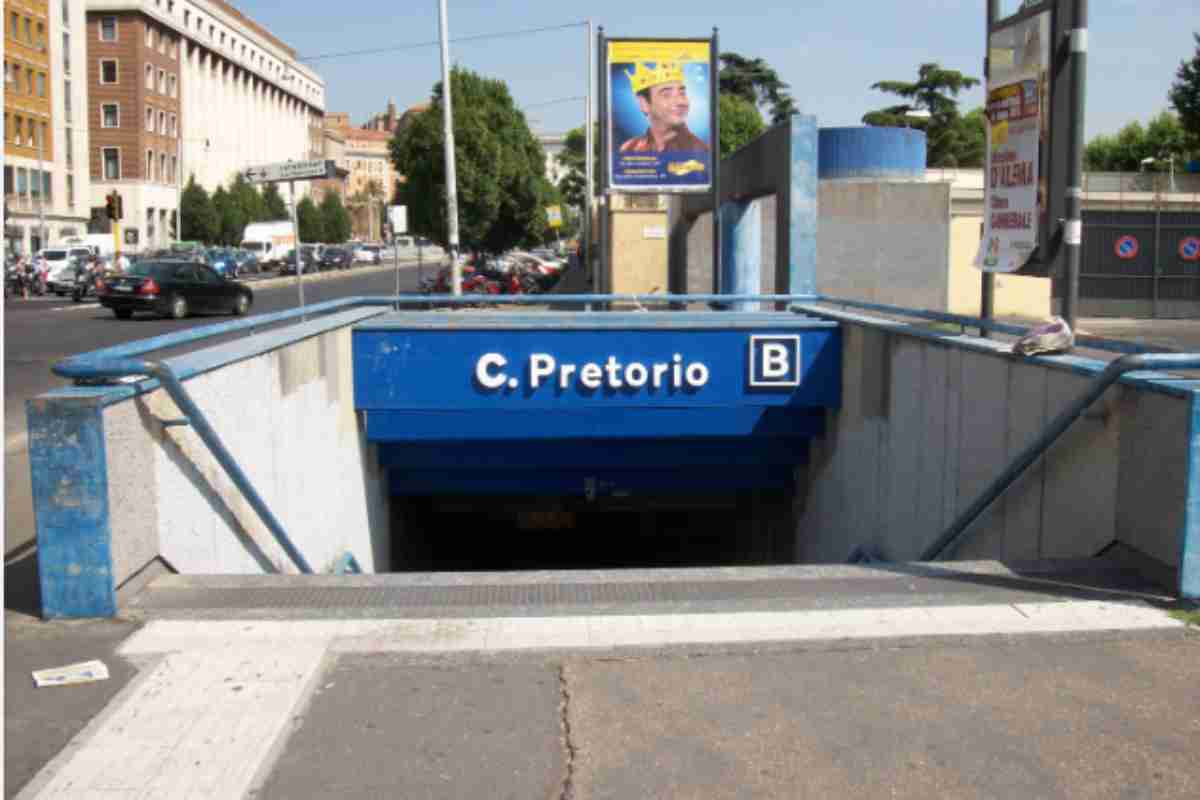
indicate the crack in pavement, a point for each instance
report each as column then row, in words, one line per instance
column 569, row 747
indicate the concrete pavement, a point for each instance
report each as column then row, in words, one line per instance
column 1011, row 687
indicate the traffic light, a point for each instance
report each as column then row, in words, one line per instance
column 110, row 207
column 120, row 206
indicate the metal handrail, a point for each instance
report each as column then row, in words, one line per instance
column 124, row 367
column 950, row 537
column 116, row 362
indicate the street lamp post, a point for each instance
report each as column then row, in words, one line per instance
column 451, row 178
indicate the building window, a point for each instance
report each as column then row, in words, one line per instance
column 28, row 31
column 67, row 101
column 170, row 6
column 29, row 81
column 18, row 130
column 150, row 165
column 174, row 126
column 41, row 36
column 174, row 49
column 66, row 9
column 162, row 81
column 174, row 169
column 187, row 17
column 149, row 119
column 8, row 73
column 110, row 115
column 162, row 44
column 171, row 85
column 112, row 163
column 70, row 144
column 71, row 191
column 41, row 84
column 22, row 181
column 162, row 167
column 212, row 32
column 66, row 53
column 162, row 123
column 108, row 70
column 46, row 186
column 108, row 29
column 150, row 76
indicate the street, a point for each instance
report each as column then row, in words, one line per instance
column 41, row 330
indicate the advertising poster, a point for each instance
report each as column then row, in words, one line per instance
column 1012, row 212
column 660, row 115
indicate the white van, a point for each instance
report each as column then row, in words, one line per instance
column 101, row 244
column 269, row 241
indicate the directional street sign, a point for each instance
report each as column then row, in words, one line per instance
column 292, row 171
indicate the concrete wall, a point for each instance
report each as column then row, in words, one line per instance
column 638, row 244
column 282, row 402
column 929, row 421
column 884, row 242
column 1016, row 295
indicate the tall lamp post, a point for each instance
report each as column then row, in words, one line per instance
column 451, row 178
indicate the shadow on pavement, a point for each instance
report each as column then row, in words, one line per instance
column 22, row 591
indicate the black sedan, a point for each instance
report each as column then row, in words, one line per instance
column 337, row 258
column 173, row 289
column 308, row 258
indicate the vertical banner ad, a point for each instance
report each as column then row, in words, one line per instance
column 1011, row 216
column 660, row 115
column 554, row 216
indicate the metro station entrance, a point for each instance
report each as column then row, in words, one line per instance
column 560, row 441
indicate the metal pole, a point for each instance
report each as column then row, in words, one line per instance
column 589, row 151
column 179, row 182
column 299, row 253
column 987, row 296
column 396, row 261
column 600, row 278
column 451, row 178
column 1073, row 233
column 714, row 98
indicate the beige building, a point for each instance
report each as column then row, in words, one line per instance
column 46, row 180
column 365, row 153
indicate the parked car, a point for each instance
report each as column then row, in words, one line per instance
column 308, row 260
column 222, row 260
column 172, row 288
column 336, row 258
column 247, row 262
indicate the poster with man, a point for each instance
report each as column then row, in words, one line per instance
column 660, row 115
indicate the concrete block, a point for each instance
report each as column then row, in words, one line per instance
column 984, row 410
column 1153, row 485
column 1023, row 500
column 1081, row 472
column 130, row 434
column 905, row 448
column 933, row 432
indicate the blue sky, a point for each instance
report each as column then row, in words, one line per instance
column 830, row 53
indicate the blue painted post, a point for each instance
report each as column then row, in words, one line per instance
column 70, row 505
column 802, row 260
column 1189, row 550
column 741, row 250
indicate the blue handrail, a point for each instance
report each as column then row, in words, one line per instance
column 950, row 537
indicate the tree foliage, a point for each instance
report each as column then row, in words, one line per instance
column 1185, row 95
column 1164, row 137
column 754, row 81
column 231, row 221
column 950, row 142
column 274, row 207
column 198, row 220
column 573, row 184
column 308, row 217
column 500, row 165
column 335, row 219
column 740, row 122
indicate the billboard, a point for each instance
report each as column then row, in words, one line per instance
column 660, row 114
column 1015, row 187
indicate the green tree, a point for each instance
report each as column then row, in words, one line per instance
column 312, row 226
column 197, row 218
column 1185, row 95
column 274, row 207
column 572, row 186
column 753, row 80
column 247, row 198
column 740, row 122
column 932, row 108
column 1162, row 139
column 230, row 219
column 502, row 185
column 335, row 219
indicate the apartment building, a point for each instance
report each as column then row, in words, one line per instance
column 46, row 181
column 182, row 88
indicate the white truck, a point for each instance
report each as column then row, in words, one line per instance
column 101, row 244
column 269, row 241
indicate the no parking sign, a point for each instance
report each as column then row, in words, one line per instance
column 1189, row 248
column 1127, row 248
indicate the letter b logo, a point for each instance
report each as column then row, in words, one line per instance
column 774, row 362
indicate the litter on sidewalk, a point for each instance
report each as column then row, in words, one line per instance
column 83, row 672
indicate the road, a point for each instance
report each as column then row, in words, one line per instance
column 41, row 330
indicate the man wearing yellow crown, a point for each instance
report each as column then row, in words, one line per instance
column 662, row 97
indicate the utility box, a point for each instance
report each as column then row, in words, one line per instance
column 637, row 245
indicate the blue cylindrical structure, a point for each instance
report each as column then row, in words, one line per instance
column 871, row 153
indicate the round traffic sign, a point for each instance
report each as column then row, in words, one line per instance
column 1127, row 248
column 1189, row 248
